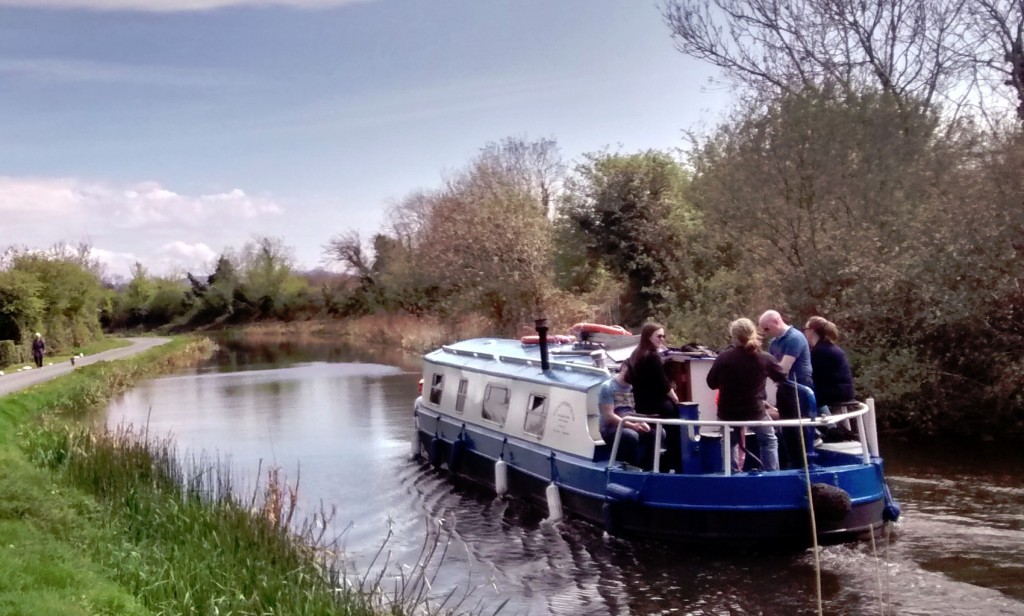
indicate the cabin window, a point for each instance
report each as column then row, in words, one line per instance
column 495, row 406
column 436, row 387
column 536, row 415
column 460, row 400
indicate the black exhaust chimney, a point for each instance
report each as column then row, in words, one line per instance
column 542, row 333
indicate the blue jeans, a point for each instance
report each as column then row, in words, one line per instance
column 767, row 444
column 635, row 448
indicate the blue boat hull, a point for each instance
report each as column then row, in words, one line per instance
column 760, row 510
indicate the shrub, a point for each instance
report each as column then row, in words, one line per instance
column 10, row 353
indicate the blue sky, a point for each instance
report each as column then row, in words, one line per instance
column 165, row 131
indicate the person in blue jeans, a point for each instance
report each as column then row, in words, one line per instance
column 615, row 401
column 790, row 348
column 739, row 374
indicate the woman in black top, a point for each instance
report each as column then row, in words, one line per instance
column 833, row 379
column 652, row 391
column 739, row 374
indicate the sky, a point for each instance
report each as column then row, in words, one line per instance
column 168, row 131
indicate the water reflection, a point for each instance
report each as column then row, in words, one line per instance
column 343, row 429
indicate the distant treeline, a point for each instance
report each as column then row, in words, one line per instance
column 889, row 200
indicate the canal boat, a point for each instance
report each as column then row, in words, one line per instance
column 522, row 419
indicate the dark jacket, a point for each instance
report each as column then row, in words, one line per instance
column 833, row 380
column 650, row 384
column 739, row 376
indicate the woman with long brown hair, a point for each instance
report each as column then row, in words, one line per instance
column 652, row 390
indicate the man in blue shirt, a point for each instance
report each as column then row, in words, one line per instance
column 788, row 347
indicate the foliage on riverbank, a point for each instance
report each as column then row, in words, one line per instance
column 395, row 331
column 116, row 523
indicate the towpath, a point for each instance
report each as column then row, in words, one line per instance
column 12, row 382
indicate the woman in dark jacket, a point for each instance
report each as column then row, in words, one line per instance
column 833, row 379
column 652, row 390
column 739, row 374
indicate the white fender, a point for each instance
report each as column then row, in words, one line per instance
column 871, row 427
column 501, row 477
column 554, row 503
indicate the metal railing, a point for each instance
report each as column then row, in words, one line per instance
column 863, row 414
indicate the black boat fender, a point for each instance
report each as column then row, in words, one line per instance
column 434, row 452
column 455, row 454
column 892, row 510
column 616, row 493
column 831, row 503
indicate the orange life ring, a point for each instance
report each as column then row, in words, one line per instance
column 597, row 328
column 552, row 339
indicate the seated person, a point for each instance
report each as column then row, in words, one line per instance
column 615, row 401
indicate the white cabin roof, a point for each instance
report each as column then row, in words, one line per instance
column 512, row 359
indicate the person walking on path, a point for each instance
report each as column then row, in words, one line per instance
column 38, row 349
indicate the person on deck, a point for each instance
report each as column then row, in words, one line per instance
column 653, row 391
column 38, row 349
column 833, row 379
column 615, row 402
column 739, row 374
column 790, row 349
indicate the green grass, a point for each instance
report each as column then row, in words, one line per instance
column 113, row 522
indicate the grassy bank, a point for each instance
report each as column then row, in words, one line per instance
column 115, row 523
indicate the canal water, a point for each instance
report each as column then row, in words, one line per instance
column 339, row 422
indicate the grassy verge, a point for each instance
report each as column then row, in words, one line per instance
column 112, row 523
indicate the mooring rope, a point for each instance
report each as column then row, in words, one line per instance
column 810, row 502
column 878, row 574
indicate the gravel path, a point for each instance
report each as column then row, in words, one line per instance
column 16, row 381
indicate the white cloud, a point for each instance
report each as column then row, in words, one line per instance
column 191, row 257
column 143, row 222
column 86, row 71
column 170, row 6
column 114, row 263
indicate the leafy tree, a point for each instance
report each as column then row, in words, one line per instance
column 854, row 206
column 69, row 292
column 481, row 243
column 21, row 306
column 268, row 277
column 215, row 299
column 488, row 245
column 629, row 213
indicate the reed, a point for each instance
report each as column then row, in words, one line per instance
column 393, row 330
column 191, row 544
